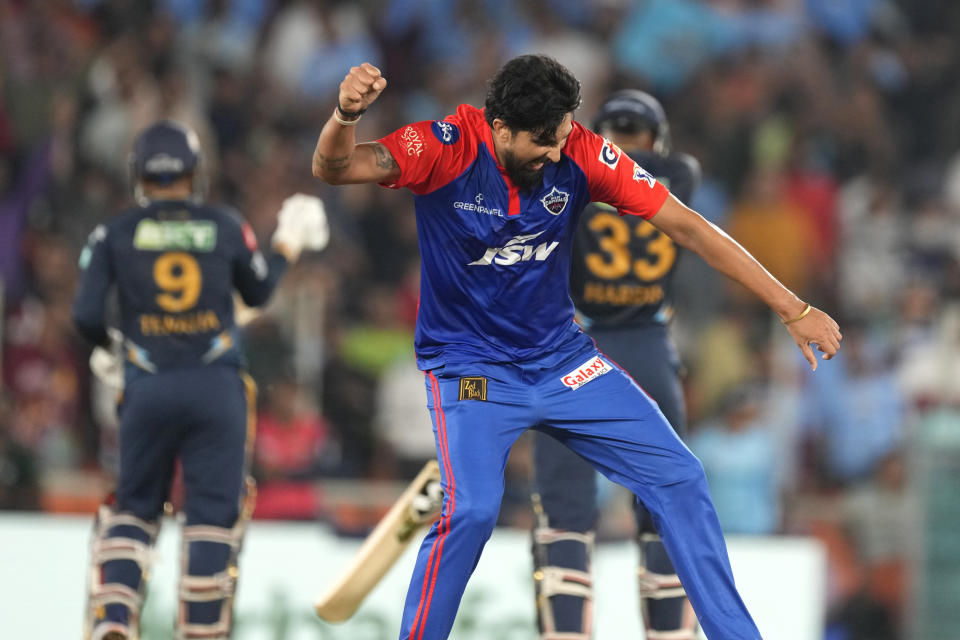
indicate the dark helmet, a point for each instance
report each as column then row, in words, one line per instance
column 164, row 152
column 632, row 111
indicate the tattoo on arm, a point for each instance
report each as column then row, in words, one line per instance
column 321, row 161
column 384, row 158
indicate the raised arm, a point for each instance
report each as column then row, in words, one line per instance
column 338, row 159
column 806, row 324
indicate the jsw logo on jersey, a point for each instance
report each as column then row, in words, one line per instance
column 516, row 251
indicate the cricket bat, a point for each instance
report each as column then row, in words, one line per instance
column 418, row 506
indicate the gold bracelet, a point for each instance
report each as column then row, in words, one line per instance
column 803, row 314
column 346, row 123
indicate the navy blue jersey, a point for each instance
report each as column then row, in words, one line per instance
column 175, row 265
column 623, row 266
column 496, row 260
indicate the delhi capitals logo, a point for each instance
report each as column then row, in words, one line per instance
column 446, row 132
column 555, row 201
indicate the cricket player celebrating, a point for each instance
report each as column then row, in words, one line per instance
column 175, row 263
column 498, row 194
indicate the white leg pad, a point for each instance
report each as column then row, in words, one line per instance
column 220, row 586
column 562, row 581
column 105, row 549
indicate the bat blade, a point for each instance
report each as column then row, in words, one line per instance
column 417, row 507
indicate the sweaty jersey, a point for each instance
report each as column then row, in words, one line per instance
column 623, row 266
column 175, row 265
column 495, row 261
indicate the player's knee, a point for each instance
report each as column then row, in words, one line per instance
column 574, row 514
column 685, row 469
column 220, row 513
column 481, row 517
column 581, row 522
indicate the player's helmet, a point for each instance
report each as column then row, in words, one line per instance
column 164, row 152
column 630, row 111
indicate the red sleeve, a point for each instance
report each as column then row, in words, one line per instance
column 431, row 153
column 612, row 176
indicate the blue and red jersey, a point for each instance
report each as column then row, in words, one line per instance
column 495, row 260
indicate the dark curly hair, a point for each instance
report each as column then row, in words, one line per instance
column 532, row 93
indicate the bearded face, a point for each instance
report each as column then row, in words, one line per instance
column 524, row 155
column 526, row 174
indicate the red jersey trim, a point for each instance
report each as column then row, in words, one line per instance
column 612, row 176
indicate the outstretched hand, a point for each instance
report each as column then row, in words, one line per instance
column 361, row 87
column 816, row 328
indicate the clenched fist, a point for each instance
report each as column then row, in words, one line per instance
column 360, row 88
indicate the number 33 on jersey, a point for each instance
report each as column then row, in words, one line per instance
column 623, row 267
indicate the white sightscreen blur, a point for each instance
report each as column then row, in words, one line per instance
column 285, row 566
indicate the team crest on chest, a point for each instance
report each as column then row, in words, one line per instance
column 555, row 201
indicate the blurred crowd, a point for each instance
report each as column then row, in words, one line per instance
column 830, row 145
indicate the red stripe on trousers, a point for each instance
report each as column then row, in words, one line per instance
column 426, row 595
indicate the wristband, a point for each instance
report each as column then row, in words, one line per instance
column 345, row 123
column 803, row 314
column 349, row 114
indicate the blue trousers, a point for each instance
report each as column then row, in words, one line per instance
column 566, row 484
column 199, row 415
column 583, row 400
column 202, row 416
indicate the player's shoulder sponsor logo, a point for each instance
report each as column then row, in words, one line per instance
column 446, row 132
column 411, row 141
column 473, row 388
column 586, row 372
column 610, row 154
column 555, row 201
column 641, row 174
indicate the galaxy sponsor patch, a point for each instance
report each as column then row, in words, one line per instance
column 446, row 132
column 589, row 370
